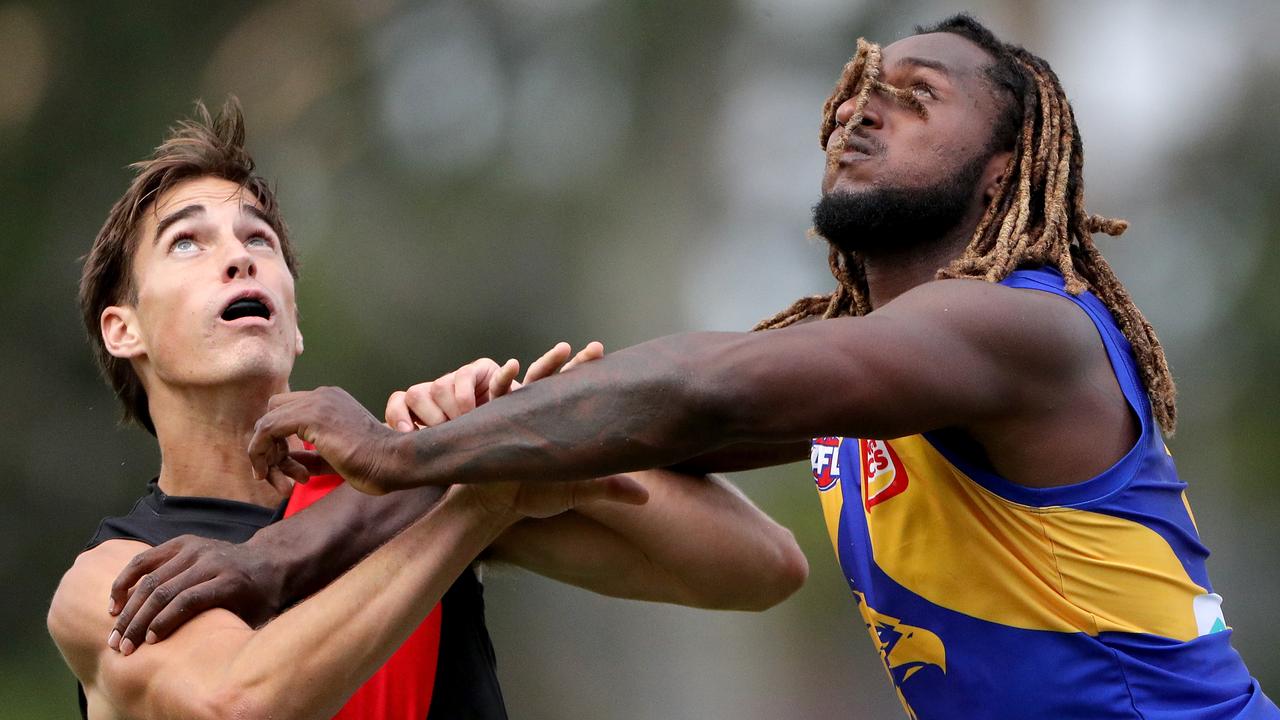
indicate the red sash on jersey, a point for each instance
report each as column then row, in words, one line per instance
column 400, row 689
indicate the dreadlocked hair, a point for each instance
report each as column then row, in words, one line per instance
column 1036, row 217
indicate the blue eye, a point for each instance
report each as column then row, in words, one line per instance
column 259, row 241
column 182, row 244
column 918, row 88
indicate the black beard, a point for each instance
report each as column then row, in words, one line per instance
column 892, row 220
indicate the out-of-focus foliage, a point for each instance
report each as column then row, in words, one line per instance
column 486, row 177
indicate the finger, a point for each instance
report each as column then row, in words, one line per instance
column 136, row 633
column 397, row 415
column 614, row 488
column 550, row 362
column 483, row 371
column 502, row 380
column 312, row 462
column 279, row 481
column 422, row 407
column 442, row 394
column 593, row 351
column 285, row 398
column 271, row 429
column 464, row 389
column 142, row 592
column 141, row 564
column 184, row 606
column 294, row 471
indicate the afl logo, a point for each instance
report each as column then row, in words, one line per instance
column 824, row 456
column 883, row 475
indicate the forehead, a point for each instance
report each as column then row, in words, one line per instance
column 962, row 58
column 211, row 192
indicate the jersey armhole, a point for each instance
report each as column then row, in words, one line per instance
column 1123, row 367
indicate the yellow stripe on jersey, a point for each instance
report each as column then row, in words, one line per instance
column 961, row 547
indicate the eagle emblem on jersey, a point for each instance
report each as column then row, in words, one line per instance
column 824, row 456
column 883, row 474
column 904, row 649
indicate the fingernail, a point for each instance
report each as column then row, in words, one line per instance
column 404, row 426
column 126, row 646
column 111, row 609
column 113, row 640
column 151, row 637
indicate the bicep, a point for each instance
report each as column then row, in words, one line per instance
column 919, row 363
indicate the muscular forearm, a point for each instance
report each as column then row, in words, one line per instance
column 698, row 542
column 317, row 545
column 334, row 640
column 710, row 540
column 652, row 405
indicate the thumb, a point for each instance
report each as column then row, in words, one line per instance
column 613, row 488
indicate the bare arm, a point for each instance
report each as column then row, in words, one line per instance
column 953, row 353
column 698, row 541
column 306, row 662
column 744, row 456
column 164, row 586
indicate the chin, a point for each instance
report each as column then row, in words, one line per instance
column 253, row 363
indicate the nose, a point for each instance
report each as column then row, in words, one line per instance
column 871, row 117
column 240, row 264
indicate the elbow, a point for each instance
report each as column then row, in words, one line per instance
column 772, row 578
column 784, row 574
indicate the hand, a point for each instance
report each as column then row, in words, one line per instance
column 457, row 393
column 348, row 440
column 463, row 390
column 165, row 586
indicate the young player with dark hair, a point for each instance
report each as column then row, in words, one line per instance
column 188, row 298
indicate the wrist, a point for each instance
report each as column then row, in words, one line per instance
column 278, row 571
column 477, row 503
column 403, row 467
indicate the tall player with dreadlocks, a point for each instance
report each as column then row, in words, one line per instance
column 980, row 399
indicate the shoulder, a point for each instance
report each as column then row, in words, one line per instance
column 1030, row 327
column 78, row 619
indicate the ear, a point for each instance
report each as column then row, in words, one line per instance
column 119, row 327
column 995, row 173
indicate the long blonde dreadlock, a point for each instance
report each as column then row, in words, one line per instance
column 1036, row 217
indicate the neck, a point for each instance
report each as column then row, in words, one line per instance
column 204, row 434
column 893, row 271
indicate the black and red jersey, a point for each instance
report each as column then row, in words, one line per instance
column 446, row 669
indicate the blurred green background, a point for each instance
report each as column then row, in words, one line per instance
column 487, row 177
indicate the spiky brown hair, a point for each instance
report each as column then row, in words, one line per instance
column 202, row 146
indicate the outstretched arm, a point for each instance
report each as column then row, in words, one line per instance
column 698, row 541
column 949, row 353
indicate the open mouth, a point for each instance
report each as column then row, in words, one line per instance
column 246, row 307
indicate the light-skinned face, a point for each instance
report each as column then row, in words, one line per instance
column 214, row 301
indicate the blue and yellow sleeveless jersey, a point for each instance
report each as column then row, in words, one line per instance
column 988, row 599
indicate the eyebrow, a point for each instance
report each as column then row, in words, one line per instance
column 926, row 63
column 186, row 212
column 259, row 213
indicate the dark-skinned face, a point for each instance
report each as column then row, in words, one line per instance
column 900, row 168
